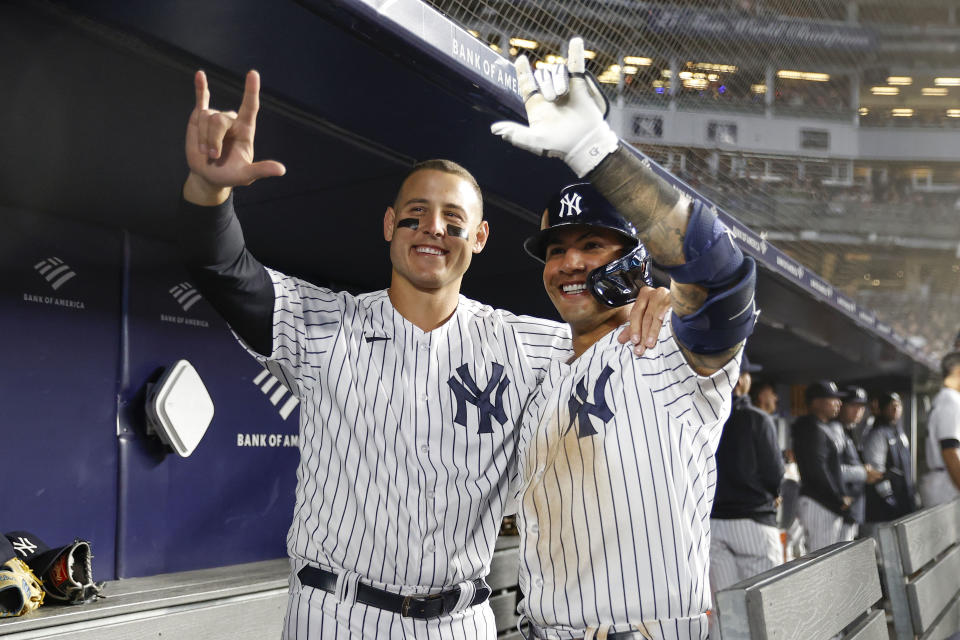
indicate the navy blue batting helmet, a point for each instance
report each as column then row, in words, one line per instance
column 615, row 283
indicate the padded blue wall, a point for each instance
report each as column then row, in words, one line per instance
column 228, row 502
column 59, row 332
column 88, row 317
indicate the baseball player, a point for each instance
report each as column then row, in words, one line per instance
column 744, row 538
column 856, row 475
column 941, row 483
column 887, row 449
column 818, row 447
column 409, row 395
column 617, row 463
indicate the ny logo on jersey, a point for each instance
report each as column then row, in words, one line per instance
column 581, row 410
column 466, row 390
column 569, row 204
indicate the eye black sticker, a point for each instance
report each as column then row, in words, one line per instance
column 457, row 232
column 452, row 230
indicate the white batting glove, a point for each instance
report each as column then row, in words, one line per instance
column 565, row 111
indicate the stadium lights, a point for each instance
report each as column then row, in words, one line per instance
column 947, row 82
column 474, row 33
column 695, row 83
column 903, row 81
column 523, row 43
column 685, row 75
column 611, row 75
column 758, row 88
column 589, row 55
column 637, row 61
column 552, row 59
column 953, row 113
column 863, row 111
column 789, row 74
column 630, row 69
column 495, row 47
column 713, row 66
column 901, row 113
column 885, row 91
column 666, row 73
column 934, row 91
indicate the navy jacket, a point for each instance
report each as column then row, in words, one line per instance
column 885, row 446
column 819, row 460
column 749, row 466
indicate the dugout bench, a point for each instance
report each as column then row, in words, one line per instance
column 920, row 558
column 831, row 593
column 239, row 602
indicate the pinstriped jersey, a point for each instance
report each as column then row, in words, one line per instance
column 407, row 438
column 618, row 473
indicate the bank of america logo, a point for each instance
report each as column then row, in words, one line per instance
column 185, row 294
column 270, row 385
column 54, row 271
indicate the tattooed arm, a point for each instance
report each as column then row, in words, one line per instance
column 660, row 213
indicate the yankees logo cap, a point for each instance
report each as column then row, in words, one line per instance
column 26, row 544
column 578, row 204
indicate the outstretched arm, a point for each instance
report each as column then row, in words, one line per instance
column 712, row 283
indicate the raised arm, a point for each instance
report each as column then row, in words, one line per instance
column 712, row 282
column 219, row 150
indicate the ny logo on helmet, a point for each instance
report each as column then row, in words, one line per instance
column 581, row 410
column 570, row 205
column 467, row 391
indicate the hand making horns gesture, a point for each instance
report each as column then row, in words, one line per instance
column 219, row 145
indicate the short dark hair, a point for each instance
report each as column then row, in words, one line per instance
column 446, row 166
column 887, row 398
column 950, row 362
column 759, row 386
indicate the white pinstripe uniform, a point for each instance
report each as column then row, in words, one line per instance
column 615, row 525
column 936, row 487
column 393, row 489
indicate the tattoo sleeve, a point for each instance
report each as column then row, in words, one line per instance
column 660, row 213
column 658, row 210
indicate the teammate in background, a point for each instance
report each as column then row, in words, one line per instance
column 818, row 448
column 744, row 537
column 617, row 454
column 886, row 449
column 856, row 475
column 409, row 395
column 764, row 397
column 942, row 480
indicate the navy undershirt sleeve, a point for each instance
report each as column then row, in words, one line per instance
column 226, row 273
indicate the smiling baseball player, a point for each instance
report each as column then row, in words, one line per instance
column 409, row 395
column 618, row 453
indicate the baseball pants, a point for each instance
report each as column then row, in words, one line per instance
column 740, row 549
column 848, row 531
column 313, row 614
column 821, row 525
column 936, row 487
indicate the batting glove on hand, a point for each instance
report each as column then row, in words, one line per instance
column 566, row 112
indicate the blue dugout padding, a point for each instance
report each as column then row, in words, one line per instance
column 231, row 501
column 60, row 320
